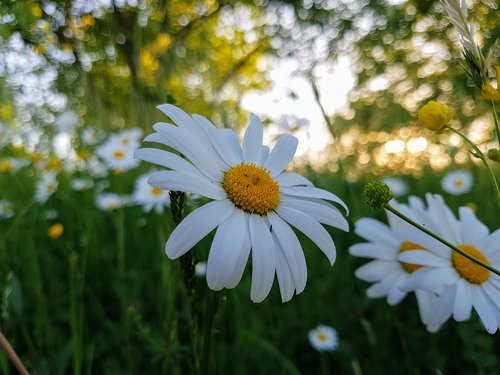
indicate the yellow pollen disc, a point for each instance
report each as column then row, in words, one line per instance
column 118, row 154
column 156, row 191
column 470, row 271
column 322, row 337
column 406, row 246
column 251, row 188
column 5, row 166
column 458, row 183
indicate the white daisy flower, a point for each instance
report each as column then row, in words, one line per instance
column 6, row 210
column 90, row 136
column 323, row 338
column 46, row 186
column 116, row 155
column 13, row 164
column 80, row 184
column 457, row 182
column 67, row 122
column 397, row 186
column 386, row 271
column 96, row 168
column 128, row 137
column 461, row 285
column 108, row 201
column 253, row 202
column 148, row 196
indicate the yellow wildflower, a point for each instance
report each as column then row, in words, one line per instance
column 490, row 92
column 434, row 115
column 55, row 231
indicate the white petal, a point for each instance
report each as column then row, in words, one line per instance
column 182, row 181
column 444, row 306
column 485, row 311
column 312, row 192
column 216, row 138
column 311, row 228
column 375, row 231
column 239, row 267
column 287, row 179
column 320, row 212
column 471, row 229
column 197, row 225
column 376, row 270
column 383, row 287
column 166, row 159
column 424, row 258
column 463, row 301
column 252, row 141
column 233, row 145
column 491, row 243
column 281, row 155
column 292, row 250
column 375, row 251
column 284, row 275
column 395, row 294
column 157, row 138
column 181, row 119
column 263, row 258
column 426, row 304
column 264, row 153
column 226, row 250
column 195, row 149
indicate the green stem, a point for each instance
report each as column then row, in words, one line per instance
column 495, row 121
column 208, row 332
column 389, row 208
column 12, row 355
column 478, row 153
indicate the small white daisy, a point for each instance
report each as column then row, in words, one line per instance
column 253, row 202
column 457, row 182
column 96, row 168
column 108, row 201
column 150, row 197
column 91, row 136
column 385, row 244
column 323, row 338
column 461, row 285
column 397, row 186
column 116, row 155
column 67, row 122
column 80, row 184
column 6, row 210
column 13, row 164
column 128, row 137
column 46, row 186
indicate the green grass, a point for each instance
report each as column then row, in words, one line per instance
column 104, row 298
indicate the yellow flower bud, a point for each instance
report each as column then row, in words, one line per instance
column 434, row 115
column 55, row 231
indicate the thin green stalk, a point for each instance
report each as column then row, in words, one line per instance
column 75, row 314
column 478, row 153
column 208, row 332
column 495, row 121
column 389, row 208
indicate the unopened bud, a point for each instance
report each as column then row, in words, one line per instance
column 377, row 194
column 434, row 115
column 494, row 154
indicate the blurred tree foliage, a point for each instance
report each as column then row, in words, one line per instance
column 115, row 60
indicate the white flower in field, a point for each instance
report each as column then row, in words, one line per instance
column 117, row 155
column 397, row 186
column 108, row 201
column 67, row 122
column 46, row 186
column 90, row 136
column 323, row 338
column 148, row 196
column 386, row 271
column 457, row 182
column 254, row 202
column 6, row 210
column 128, row 137
column 80, row 184
column 13, row 164
column 200, row 269
column 460, row 284
column 96, row 168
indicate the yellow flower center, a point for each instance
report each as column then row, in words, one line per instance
column 156, row 191
column 406, row 246
column 118, row 154
column 56, row 230
column 251, row 188
column 322, row 336
column 467, row 269
column 458, row 183
column 6, row 166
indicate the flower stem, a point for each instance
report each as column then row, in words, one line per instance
column 12, row 355
column 478, row 153
column 389, row 208
column 495, row 121
column 208, row 332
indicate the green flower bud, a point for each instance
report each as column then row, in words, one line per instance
column 494, row 154
column 376, row 194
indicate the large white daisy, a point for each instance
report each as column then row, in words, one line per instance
column 461, row 284
column 386, row 271
column 253, row 202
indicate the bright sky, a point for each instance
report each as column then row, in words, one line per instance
column 334, row 82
